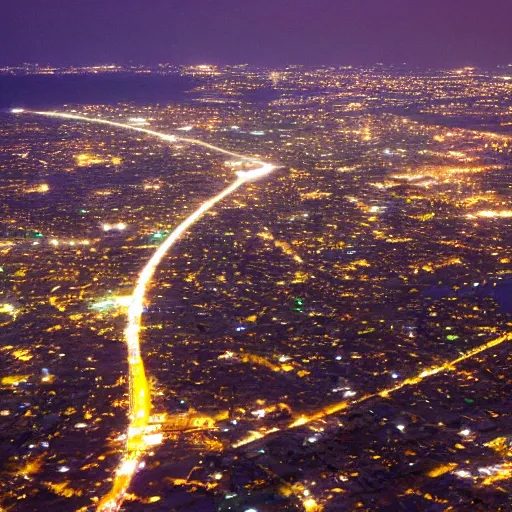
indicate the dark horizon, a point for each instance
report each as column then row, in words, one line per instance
column 265, row 33
column 126, row 67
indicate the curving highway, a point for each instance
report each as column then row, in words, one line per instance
column 140, row 399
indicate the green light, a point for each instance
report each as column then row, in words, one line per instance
column 158, row 235
column 469, row 401
column 299, row 302
column 104, row 305
column 84, row 211
column 452, row 337
column 38, row 235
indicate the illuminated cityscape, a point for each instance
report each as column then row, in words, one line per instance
column 255, row 256
column 287, row 290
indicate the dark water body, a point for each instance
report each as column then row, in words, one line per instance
column 51, row 91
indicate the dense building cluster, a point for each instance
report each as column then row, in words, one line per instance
column 331, row 337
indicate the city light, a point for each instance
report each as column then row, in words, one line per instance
column 141, row 405
column 488, row 214
column 411, row 381
column 138, row 120
column 284, row 344
column 7, row 309
column 120, row 226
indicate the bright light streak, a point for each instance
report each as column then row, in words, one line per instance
column 154, row 439
column 255, row 436
column 128, row 467
column 255, row 173
column 490, row 214
column 140, row 405
column 329, row 410
column 137, row 120
column 17, row 110
column 163, row 136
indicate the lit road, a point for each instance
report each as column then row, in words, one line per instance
column 164, row 136
column 338, row 407
column 140, row 399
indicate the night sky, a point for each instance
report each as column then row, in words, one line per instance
column 269, row 32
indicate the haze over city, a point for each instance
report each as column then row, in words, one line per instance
column 437, row 33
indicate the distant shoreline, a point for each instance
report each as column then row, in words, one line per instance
column 49, row 91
